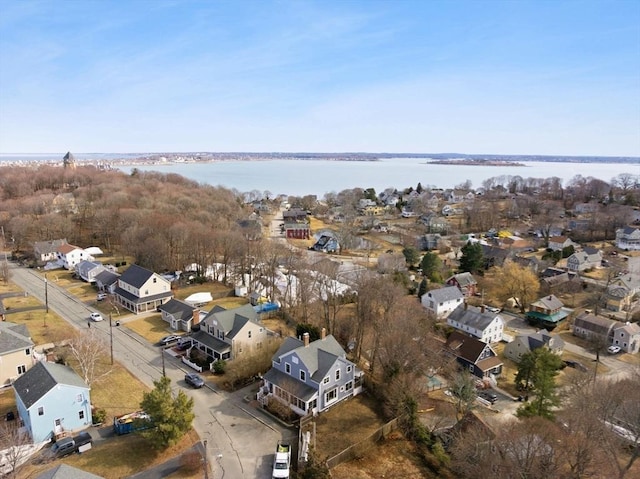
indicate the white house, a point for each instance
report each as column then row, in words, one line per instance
column 477, row 322
column 69, row 256
column 627, row 336
column 441, row 302
column 582, row 260
column 558, row 243
column 628, row 238
column 141, row 290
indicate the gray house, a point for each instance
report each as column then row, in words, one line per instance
column 524, row 343
column 88, row 270
column 106, row 281
column 178, row 314
column 310, row 377
column 62, row 471
column 47, row 250
column 585, row 259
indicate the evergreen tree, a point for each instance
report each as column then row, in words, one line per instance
column 422, row 288
column 411, row 255
column 171, row 416
column 314, row 331
column 539, row 369
column 419, row 188
column 431, row 265
column 472, row 259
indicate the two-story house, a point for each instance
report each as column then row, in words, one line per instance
column 593, row 328
column 16, row 351
column 310, row 377
column 588, row 258
column 44, row 251
column 477, row 322
column 524, row 343
column 141, row 290
column 442, row 301
column 628, row 238
column 473, row 355
column 558, row 243
column 229, row 333
column 627, row 336
column 69, row 255
column 51, row 400
column 547, row 311
column 465, row 282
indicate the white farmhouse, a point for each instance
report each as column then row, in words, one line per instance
column 441, row 302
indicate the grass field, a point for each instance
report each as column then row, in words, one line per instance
column 152, row 328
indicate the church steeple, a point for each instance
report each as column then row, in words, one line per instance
column 69, row 161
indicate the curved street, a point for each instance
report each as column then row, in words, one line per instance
column 240, row 442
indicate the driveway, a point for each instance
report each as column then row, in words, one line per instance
column 240, row 443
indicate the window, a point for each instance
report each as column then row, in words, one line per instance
column 154, row 280
column 81, row 414
column 287, row 368
column 79, row 398
column 303, row 375
column 471, row 368
column 27, row 351
column 348, row 369
column 259, row 345
column 41, row 411
column 22, row 369
column 331, row 395
column 249, row 334
column 348, row 386
column 337, row 375
column 326, row 380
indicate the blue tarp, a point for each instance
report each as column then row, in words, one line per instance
column 266, row 307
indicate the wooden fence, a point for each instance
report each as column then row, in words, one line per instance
column 358, row 449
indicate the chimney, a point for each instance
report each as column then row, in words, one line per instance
column 323, row 333
column 482, row 309
column 305, row 338
column 196, row 317
column 465, row 305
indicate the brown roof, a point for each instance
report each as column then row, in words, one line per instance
column 489, row 363
column 465, row 346
column 67, row 248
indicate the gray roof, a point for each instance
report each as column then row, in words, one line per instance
column 146, row 299
column 63, row 471
column 464, row 279
column 214, row 343
column 85, row 266
column 542, row 338
column 136, row 275
column 448, row 293
column 40, row 379
column 297, row 388
column 550, row 302
column 107, row 277
column 14, row 337
column 472, row 316
column 47, row 247
column 596, row 324
column 318, row 357
column 178, row 309
column 232, row 320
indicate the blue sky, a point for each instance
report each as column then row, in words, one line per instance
column 505, row 77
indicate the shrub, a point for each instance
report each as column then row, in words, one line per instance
column 191, row 461
column 99, row 416
column 219, row 366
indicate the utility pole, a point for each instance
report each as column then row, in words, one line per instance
column 111, row 338
column 46, row 294
column 164, row 374
column 206, row 464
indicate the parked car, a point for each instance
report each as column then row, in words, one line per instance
column 101, row 296
column 69, row 445
column 614, row 349
column 184, row 344
column 95, row 317
column 194, row 380
column 172, row 338
column 491, row 309
column 488, row 396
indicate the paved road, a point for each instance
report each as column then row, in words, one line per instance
column 239, row 443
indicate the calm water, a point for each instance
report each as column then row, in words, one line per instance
column 317, row 177
column 304, row 177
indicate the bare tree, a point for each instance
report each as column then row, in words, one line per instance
column 14, row 448
column 90, row 353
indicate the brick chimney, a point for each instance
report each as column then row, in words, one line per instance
column 323, row 333
column 305, row 338
column 196, row 317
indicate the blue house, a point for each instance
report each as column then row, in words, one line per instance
column 311, row 377
column 52, row 399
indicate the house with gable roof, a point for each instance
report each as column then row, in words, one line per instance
column 628, row 238
column 88, row 270
column 44, row 251
column 310, row 377
column 16, row 351
column 442, row 301
column 63, row 471
column 69, row 255
column 477, row 322
column 228, row 333
column 179, row 315
column 51, row 400
column 141, row 290
column 524, row 343
column 627, row 336
column 558, row 243
column 106, row 281
column 547, row 311
column 588, row 258
column 465, row 282
column 473, row 355
column 591, row 327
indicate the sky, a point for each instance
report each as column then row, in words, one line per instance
column 504, row 77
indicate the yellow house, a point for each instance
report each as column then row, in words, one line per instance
column 16, row 352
